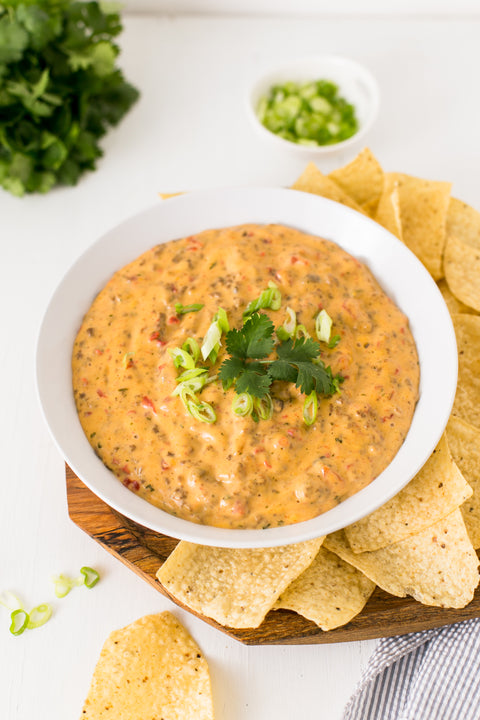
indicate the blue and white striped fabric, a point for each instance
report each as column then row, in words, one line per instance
column 430, row 675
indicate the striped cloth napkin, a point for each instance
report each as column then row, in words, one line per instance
column 430, row 675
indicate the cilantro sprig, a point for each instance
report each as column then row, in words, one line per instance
column 298, row 361
column 60, row 90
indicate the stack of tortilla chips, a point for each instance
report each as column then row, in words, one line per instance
column 422, row 542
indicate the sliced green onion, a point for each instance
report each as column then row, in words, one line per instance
column 19, row 622
column 127, row 358
column 183, row 309
column 334, row 341
column 211, row 342
column 264, row 407
column 62, row 584
column 191, row 374
column 195, row 384
column 287, row 330
column 181, row 358
column 202, row 411
column 222, row 320
column 9, row 600
column 301, row 331
column 310, row 408
column 269, row 298
column 323, row 326
column 38, row 616
column 90, row 576
column 192, row 347
column 242, row 404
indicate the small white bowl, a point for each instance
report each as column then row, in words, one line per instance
column 356, row 84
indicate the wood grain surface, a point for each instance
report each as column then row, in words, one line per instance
column 144, row 551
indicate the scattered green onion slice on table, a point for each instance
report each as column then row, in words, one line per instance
column 62, row 585
column 90, row 576
column 9, row 600
column 310, row 408
column 19, row 622
column 310, row 113
column 39, row 615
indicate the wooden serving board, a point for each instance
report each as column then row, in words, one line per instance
column 144, row 551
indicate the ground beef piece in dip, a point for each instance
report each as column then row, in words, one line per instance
column 237, row 473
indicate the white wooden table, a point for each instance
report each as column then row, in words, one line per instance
column 189, row 131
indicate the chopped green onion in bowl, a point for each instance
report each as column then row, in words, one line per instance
column 309, row 113
column 314, row 106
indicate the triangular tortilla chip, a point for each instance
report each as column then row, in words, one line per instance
column 464, row 442
column 362, row 180
column 423, row 213
column 462, row 253
column 436, row 567
column 388, row 209
column 150, row 669
column 235, row 587
column 330, row 592
column 435, row 492
column 314, row 181
column 467, row 398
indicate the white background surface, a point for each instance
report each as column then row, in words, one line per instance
column 189, row 130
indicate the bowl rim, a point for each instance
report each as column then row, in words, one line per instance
column 222, row 207
column 267, row 78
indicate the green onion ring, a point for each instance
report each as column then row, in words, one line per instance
column 323, row 326
column 310, row 408
column 264, row 407
column 202, row 411
column 9, row 600
column 242, row 404
column 181, row 358
column 192, row 347
column 91, row 576
column 19, row 621
column 39, row 615
column 63, row 585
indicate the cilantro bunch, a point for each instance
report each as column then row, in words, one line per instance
column 297, row 361
column 59, row 90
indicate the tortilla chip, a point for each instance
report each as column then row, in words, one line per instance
column 462, row 253
column 150, row 669
column 464, row 442
column 235, row 587
column 314, row 181
column 423, row 212
column 388, row 209
column 362, row 180
column 330, row 592
column 435, row 492
column 436, row 567
column 467, row 398
column 453, row 303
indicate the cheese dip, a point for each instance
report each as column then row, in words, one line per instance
column 235, row 472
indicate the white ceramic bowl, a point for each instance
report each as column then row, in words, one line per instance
column 402, row 276
column 356, row 84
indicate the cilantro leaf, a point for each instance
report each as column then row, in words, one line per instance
column 299, row 362
column 60, row 90
column 254, row 340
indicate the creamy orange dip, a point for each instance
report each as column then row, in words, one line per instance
column 235, row 472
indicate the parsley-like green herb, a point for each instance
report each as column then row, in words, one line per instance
column 59, row 90
column 297, row 361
